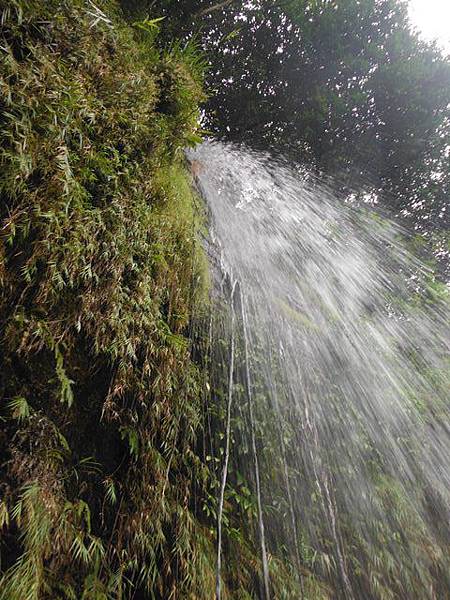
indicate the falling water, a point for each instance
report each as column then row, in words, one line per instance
column 223, row 481
column 345, row 371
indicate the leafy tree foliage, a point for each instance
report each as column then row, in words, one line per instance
column 344, row 84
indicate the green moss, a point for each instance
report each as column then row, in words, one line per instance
column 101, row 272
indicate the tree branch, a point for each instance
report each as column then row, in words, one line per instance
column 218, row 6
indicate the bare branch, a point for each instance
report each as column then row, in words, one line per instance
column 213, row 8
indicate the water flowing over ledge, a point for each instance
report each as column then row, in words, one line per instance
column 338, row 383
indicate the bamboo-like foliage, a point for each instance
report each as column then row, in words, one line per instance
column 100, row 272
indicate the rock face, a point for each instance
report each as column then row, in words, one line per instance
column 196, row 167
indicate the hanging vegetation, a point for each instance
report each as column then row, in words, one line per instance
column 99, row 255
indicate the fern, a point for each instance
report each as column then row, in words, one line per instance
column 20, row 409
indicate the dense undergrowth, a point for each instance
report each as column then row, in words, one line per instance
column 106, row 486
column 99, row 254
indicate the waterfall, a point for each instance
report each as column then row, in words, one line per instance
column 345, row 371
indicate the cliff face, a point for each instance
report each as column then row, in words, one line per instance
column 108, row 484
column 100, row 398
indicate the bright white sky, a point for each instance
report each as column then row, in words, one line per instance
column 432, row 19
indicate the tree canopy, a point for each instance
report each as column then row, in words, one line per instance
column 345, row 85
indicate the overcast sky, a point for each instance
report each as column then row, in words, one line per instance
column 432, row 19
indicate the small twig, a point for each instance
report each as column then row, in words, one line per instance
column 218, row 6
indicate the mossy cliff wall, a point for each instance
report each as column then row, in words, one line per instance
column 111, row 426
column 100, row 400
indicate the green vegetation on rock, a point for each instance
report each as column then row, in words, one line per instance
column 99, row 252
column 106, row 487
